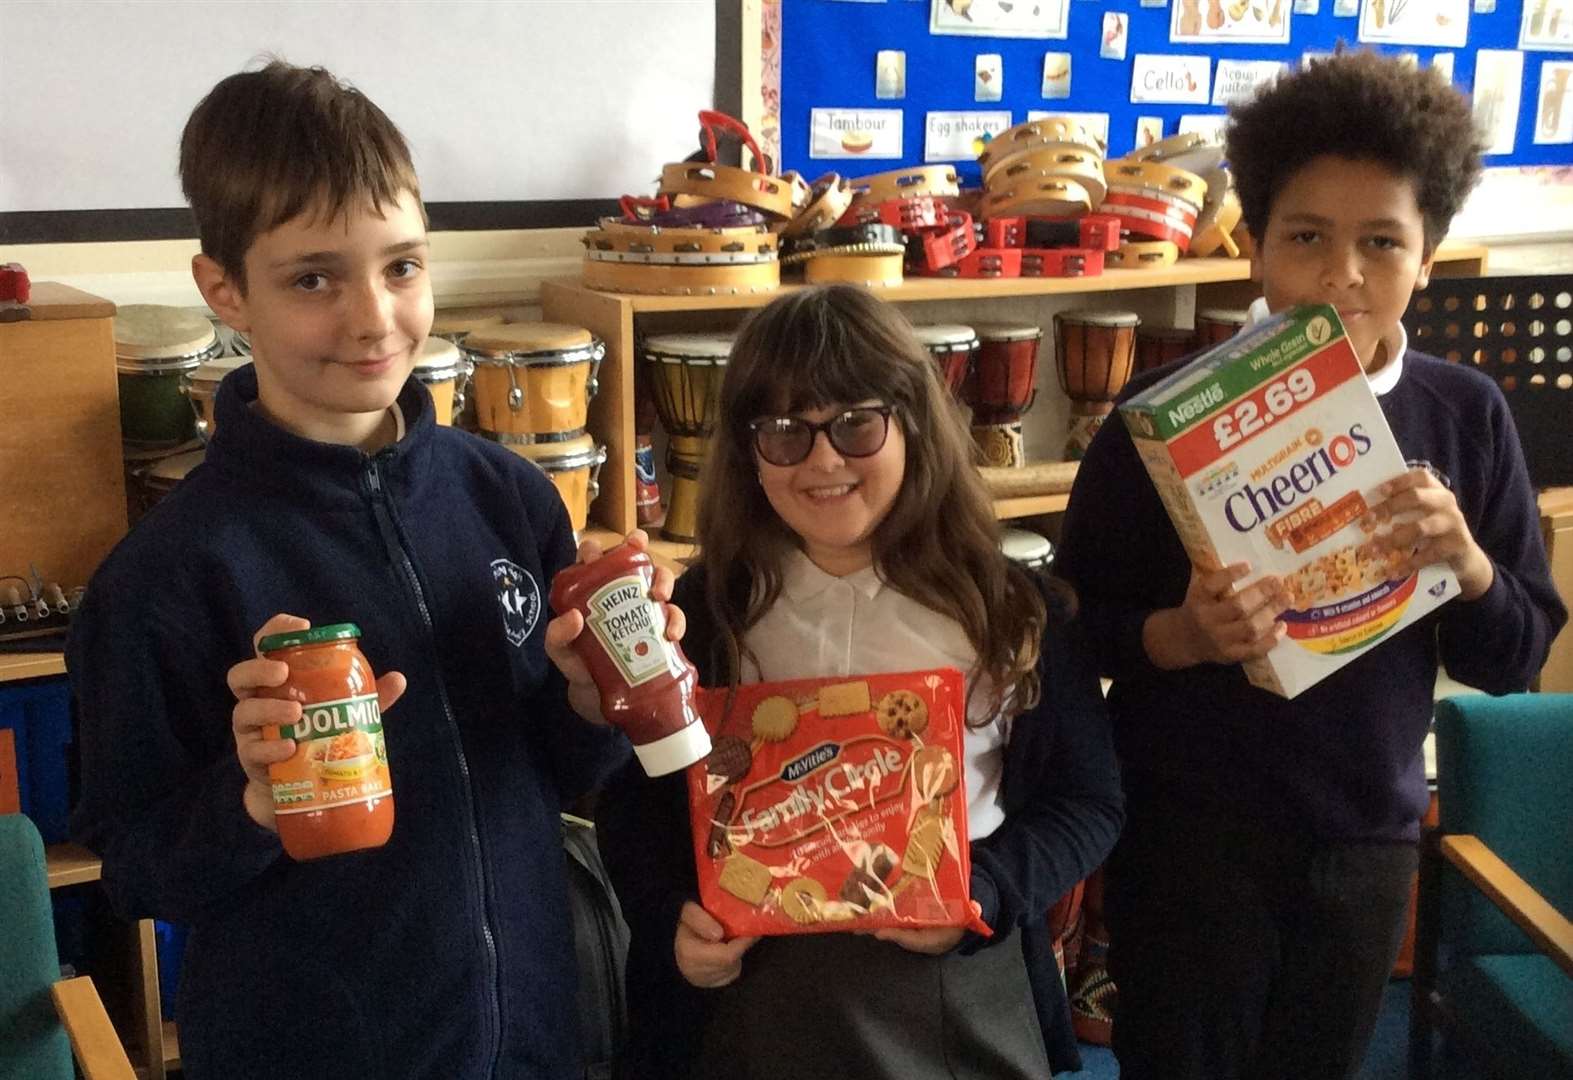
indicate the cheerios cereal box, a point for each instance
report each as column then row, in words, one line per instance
column 834, row 804
column 1269, row 449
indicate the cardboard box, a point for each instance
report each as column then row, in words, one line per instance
column 1268, row 449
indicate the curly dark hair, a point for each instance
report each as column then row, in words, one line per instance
column 1365, row 107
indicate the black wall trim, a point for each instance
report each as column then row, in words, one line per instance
column 175, row 223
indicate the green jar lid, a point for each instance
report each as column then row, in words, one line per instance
column 317, row 635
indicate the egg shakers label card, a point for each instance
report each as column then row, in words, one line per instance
column 833, row 804
column 1269, row 449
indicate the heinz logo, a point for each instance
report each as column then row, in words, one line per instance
column 1252, row 506
column 1196, row 404
column 823, row 754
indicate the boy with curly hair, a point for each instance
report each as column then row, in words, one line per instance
column 1256, row 899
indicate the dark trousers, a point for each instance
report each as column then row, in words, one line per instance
column 1242, row 953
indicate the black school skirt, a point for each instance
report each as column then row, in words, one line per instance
column 841, row 1005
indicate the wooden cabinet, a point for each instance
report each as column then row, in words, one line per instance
column 1556, row 522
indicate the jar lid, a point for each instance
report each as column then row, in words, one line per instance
column 317, row 635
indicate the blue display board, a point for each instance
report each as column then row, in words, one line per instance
column 829, row 50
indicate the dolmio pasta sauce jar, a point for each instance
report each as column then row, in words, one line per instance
column 335, row 794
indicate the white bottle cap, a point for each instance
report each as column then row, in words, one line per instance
column 676, row 751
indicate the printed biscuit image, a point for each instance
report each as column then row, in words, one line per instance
column 728, row 762
column 745, row 878
column 803, row 899
column 775, row 719
column 719, row 842
column 934, row 772
column 902, row 714
column 844, row 699
column 867, row 887
column 925, row 852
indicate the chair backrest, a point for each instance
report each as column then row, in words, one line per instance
column 1505, row 774
column 33, row 1045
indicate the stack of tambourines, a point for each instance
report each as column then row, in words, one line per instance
column 1172, row 198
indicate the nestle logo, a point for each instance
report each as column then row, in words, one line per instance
column 1196, row 404
column 823, row 754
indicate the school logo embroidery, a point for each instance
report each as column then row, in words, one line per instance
column 520, row 598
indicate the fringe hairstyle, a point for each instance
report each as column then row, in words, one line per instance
column 939, row 544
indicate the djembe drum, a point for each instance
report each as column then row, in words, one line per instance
column 444, row 371
column 200, row 385
column 1002, row 387
column 574, row 467
column 1028, row 548
column 1157, row 345
column 533, row 382
column 1094, row 352
column 953, row 347
column 154, row 347
column 685, row 383
column 1214, row 326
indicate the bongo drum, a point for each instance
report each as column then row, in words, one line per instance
column 444, row 371
column 154, row 475
column 154, row 346
column 1214, row 326
column 532, row 382
column 1157, row 345
column 685, row 383
column 1094, row 352
column 455, row 326
column 236, row 343
column 952, row 346
column 574, row 468
column 1023, row 546
column 1002, row 387
column 200, row 386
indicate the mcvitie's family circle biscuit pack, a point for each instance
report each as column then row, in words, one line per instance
column 1269, row 449
column 833, row 804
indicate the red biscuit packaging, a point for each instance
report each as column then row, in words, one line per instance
column 834, row 804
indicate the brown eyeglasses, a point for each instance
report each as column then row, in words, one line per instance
column 788, row 440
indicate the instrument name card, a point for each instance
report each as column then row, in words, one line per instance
column 1239, row 80
column 855, row 133
column 1160, row 77
column 1270, row 449
column 959, row 136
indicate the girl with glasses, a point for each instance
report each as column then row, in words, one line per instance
column 844, row 530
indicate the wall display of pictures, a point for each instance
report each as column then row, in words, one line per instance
column 1345, row 8
column 1499, row 80
column 1116, row 35
column 1212, row 125
column 1485, row 7
column 988, row 77
column 855, row 133
column 1230, row 20
column 999, row 18
column 1149, row 129
column 1443, row 62
column 1056, row 74
column 890, row 74
column 959, row 136
column 1307, row 7
column 1554, row 104
column 1547, row 25
column 1415, row 22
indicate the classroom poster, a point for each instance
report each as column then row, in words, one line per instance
column 1415, row 22
column 1229, row 20
column 1171, row 78
column 958, row 136
column 1554, row 103
column 1499, row 80
column 854, row 133
column 1547, row 25
column 1237, row 81
column 999, row 18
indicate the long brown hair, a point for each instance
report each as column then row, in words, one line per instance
column 939, row 544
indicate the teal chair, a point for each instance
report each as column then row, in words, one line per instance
column 45, row 1021
column 1494, row 945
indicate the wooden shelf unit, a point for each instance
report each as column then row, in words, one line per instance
column 615, row 317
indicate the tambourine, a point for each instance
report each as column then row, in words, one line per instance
column 1062, row 262
column 874, row 238
column 1050, row 131
column 1191, row 151
column 939, row 181
column 802, row 190
column 872, row 270
column 831, row 195
column 983, row 263
column 1150, row 177
column 655, row 244
column 710, row 181
column 724, row 214
column 1101, row 231
column 947, row 246
column 1217, row 233
column 1143, row 255
column 1039, row 197
column 908, row 215
column 682, row 280
column 1053, row 161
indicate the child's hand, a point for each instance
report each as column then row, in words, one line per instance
column 252, row 714
column 704, row 957
column 561, row 632
column 1437, row 533
column 933, row 942
column 1217, row 624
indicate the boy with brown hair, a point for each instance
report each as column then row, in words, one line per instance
column 329, row 491
column 1256, row 899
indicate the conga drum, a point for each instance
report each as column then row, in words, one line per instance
column 685, row 383
column 1002, row 387
column 1214, row 326
column 444, row 371
column 154, row 475
column 533, row 381
column 1157, row 345
column 574, row 468
column 154, row 347
column 200, row 386
column 953, row 347
column 1094, row 352
column 1028, row 548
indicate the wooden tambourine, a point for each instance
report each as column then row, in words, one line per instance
column 1150, row 176
column 1049, row 132
column 698, row 179
column 1053, row 162
column 873, row 271
column 1217, row 233
column 1191, row 151
column 802, row 191
column 940, row 181
column 1143, row 256
column 682, row 280
column 830, row 198
column 1042, row 197
column 654, row 244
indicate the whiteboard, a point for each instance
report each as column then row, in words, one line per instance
column 500, row 100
